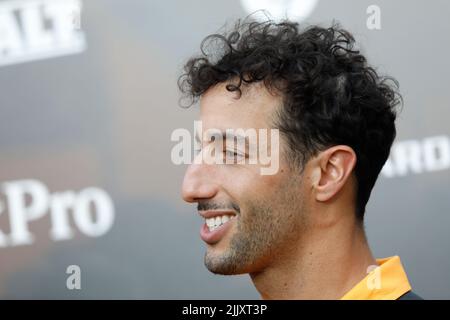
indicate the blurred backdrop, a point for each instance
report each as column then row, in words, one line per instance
column 87, row 106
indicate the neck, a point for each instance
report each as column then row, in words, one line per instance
column 324, row 264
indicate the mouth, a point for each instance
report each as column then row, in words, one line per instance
column 216, row 225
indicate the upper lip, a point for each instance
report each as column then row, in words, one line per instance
column 215, row 213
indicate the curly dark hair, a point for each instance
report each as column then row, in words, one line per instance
column 330, row 94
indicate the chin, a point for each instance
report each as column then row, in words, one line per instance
column 225, row 270
column 226, row 265
column 223, row 264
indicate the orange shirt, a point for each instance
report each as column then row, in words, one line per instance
column 388, row 281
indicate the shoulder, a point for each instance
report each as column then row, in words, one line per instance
column 410, row 296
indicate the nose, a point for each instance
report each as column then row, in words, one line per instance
column 198, row 184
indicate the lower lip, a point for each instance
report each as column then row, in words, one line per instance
column 212, row 237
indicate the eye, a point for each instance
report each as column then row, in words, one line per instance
column 232, row 154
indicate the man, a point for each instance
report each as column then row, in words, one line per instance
column 298, row 232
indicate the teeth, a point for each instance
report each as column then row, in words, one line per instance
column 214, row 223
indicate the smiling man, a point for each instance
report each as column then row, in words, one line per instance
column 297, row 232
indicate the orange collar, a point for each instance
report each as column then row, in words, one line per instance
column 388, row 281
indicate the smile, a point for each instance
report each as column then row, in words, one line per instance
column 216, row 225
column 215, row 222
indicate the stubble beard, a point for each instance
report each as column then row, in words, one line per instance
column 264, row 227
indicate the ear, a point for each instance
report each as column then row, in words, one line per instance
column 332, row 169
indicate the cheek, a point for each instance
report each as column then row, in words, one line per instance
column 246, row 183
column 261, row 199
column 267, row 186
column 252, row 186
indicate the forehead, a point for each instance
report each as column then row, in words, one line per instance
column 255, row 108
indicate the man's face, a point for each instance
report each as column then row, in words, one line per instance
column 259, row 214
